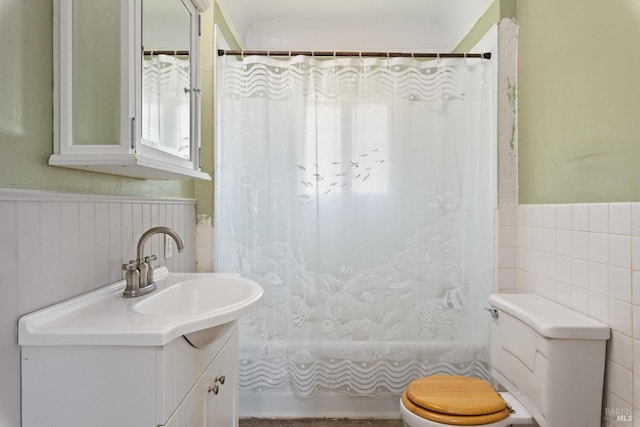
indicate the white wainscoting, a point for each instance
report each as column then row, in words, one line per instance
column 54, row 246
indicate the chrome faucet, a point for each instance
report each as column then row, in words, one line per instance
column 139, row 276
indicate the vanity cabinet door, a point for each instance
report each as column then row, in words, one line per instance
column 212, row 402
column 223, row 400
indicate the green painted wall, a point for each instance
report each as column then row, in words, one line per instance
column 579, row 101
column 26, row 113
column 578, row 97
column 213, row 16
column 204, row 189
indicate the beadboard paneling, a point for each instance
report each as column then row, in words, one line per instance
column 9, row 356
column 55, row 246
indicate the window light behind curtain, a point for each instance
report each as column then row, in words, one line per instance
column 359, row 193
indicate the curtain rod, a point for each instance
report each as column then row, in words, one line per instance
column 222, row 52
column 166, row 52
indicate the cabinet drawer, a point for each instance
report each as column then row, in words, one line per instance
column 180, row 365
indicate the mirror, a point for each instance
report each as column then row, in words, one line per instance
column 96, row 71
column 166, row 77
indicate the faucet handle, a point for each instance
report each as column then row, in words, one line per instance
column 132, row 265
column 149, row 270
column 132, row 278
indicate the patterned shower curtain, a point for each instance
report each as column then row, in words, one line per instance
column 359, row 193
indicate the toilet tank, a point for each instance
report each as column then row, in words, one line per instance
column 551, row 358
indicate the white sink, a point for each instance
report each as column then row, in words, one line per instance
column 183, row 304
column 197, row 296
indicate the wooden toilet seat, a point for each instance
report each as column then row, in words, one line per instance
column 454, row 400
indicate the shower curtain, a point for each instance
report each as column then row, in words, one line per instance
column 166, row 80
column 359, row 193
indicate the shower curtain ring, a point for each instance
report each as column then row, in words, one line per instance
column 242, row 54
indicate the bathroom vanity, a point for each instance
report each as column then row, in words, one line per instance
column 166, row 359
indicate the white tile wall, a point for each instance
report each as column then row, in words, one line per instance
column 587, row 257
column 54, row 246
column 507, row 248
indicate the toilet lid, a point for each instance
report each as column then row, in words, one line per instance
column 454, row 400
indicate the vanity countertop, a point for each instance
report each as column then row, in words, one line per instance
column 104, row 317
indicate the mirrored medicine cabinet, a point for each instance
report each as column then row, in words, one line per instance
column 127, row 87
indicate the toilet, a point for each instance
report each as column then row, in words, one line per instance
column 548, row 359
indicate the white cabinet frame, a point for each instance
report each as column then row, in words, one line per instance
column 129, row 157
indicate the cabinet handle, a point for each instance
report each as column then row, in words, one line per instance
column 215, row 389
column 219, row 379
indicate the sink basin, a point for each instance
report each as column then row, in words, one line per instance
column 203, row 295
column 193, row 305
